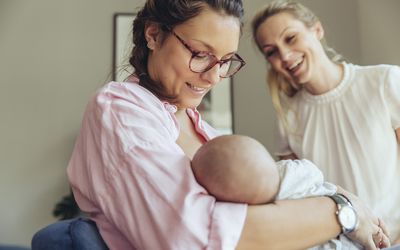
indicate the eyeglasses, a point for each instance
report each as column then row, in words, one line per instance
column 202, row 61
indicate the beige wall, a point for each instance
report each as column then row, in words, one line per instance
column 54, row 54
column 379, row 31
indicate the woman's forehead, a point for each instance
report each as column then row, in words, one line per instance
column 276, row 25
column 213, row 29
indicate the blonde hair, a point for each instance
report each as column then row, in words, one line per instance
column 277, row 84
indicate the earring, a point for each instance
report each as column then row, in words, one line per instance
column 150, row 46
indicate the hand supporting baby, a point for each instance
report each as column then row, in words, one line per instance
column 371, row 231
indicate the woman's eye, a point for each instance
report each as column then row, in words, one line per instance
column 270, row 53
column 201, row 56
column 290, row 39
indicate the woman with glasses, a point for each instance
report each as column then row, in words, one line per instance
column 130, row 168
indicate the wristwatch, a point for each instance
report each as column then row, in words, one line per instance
column 346, row 214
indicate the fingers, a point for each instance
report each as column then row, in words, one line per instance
column 382, row 225
column 380, row 239
column 370, row 245
column 385, row 242
column 377, row 237
column 378, row 232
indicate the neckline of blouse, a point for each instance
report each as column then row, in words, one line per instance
column 333, row 93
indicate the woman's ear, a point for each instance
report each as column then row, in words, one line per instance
column 319, row 30
column 151, row 33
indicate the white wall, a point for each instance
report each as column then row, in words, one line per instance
column 53, row 54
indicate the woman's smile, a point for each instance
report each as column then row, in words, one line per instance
column 197, row 90
column 296, row 67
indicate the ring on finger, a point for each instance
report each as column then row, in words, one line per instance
column 380, row 242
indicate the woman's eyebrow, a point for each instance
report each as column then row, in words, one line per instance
column 210, row 47
column 280, row 36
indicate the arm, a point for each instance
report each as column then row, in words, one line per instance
column 279, row 226
column 398, row 135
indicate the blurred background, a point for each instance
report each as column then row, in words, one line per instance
column 54, row 54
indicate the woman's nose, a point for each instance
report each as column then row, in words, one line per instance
column 212, row 75
column 286, row 54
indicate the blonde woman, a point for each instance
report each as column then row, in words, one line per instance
column 343, row 117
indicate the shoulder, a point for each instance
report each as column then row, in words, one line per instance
column 127, row 93
column 127, row 98
column 379, row 70
column 376, row 76
column 128, row 107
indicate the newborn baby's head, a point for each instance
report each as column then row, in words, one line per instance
column 236, row 168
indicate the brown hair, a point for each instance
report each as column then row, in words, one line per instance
column 277, row 84
column 168, row 14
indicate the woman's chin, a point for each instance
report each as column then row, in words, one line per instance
column 188, row 105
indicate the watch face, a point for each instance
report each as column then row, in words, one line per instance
column 347, row 217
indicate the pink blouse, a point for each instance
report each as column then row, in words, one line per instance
column 130, row 176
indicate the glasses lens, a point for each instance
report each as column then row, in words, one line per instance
column 201, row 62
column 230, row 67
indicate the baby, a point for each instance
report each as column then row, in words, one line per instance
column 238, row 168
column 229, row 165
column 235, row 168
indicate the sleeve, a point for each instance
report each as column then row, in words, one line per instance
column 301, row 179
column 147, row 189
column 282, row 146
column 392, row 95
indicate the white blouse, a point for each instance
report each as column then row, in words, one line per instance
column 349, row 133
